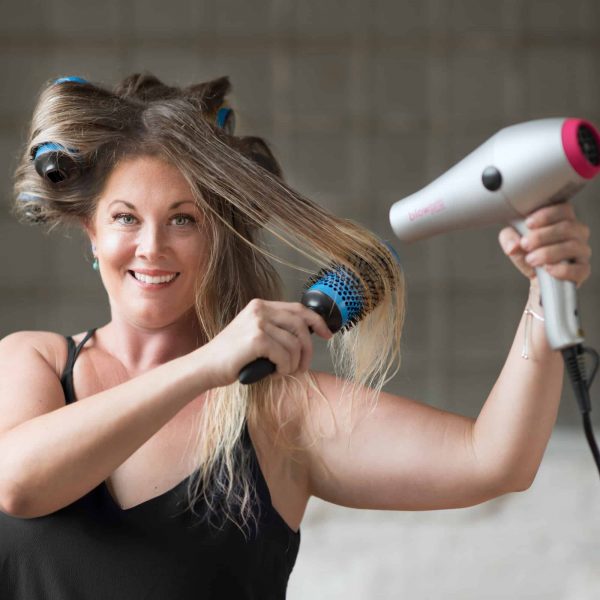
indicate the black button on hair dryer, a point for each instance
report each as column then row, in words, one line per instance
column 517, row 171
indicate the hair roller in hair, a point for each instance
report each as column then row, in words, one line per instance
column 226, row 120
column 54, row 162
column 71, row 79
column 33, row 210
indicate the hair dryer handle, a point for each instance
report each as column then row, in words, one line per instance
column 559, row 299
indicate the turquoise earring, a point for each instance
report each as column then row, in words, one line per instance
column 95, row 264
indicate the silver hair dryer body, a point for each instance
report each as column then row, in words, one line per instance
column 518, row 170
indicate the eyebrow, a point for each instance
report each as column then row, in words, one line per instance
column 174, row 205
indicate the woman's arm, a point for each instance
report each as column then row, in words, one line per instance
column 405, row 455
column 52, row 454
column 515, row 423
column 60, row 452
column 409, row 456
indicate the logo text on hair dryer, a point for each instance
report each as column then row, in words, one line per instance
column 430, row 209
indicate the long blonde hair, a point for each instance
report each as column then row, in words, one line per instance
column 239, row 186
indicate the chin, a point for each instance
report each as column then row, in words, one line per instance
column 153, row 318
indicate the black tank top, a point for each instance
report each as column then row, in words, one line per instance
column 94, row 550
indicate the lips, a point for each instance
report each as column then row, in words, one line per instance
column 161, row 279
column 153, row 272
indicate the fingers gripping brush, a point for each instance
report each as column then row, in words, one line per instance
column 337, row 295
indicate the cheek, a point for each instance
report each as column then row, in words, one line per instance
column 201, row 261
column 197, row 251
column 117, row 248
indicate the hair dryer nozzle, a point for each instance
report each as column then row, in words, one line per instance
column 581, row 142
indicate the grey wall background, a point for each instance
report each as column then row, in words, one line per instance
column 364, row 102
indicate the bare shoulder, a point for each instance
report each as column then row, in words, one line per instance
column 31, row 363
column 50, row 346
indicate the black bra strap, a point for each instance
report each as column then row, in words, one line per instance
column 81, row 344
column 66, row 379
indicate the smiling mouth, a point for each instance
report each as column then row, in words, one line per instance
column 153, row 280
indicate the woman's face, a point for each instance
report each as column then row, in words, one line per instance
column 149, row 241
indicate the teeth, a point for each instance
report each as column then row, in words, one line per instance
column 149, row 279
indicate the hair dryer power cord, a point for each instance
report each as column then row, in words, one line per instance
column 575, row 365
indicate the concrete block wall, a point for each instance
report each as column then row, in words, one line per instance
column 364, row 102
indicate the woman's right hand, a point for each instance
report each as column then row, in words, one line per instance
column 264, row 328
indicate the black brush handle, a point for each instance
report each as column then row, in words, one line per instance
column 256, row 370
column 315, row 300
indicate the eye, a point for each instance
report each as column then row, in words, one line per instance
column 124, row 218
column 183, row 219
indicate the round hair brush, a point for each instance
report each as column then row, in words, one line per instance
column 339, row 296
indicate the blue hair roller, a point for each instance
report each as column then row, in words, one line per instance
column 28, row 197
column 72, row 79
column 54, row 162
column 33, row 210
column 226, row 120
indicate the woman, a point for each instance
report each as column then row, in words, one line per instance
column 133, row 464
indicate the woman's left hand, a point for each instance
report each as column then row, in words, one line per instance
column 555, row 235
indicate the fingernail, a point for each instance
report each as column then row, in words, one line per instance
column 525, row 243
column 530, row 221
column 531, row 258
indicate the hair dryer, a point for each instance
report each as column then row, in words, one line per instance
column 518, row 170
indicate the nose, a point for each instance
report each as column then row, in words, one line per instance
column 152, row 243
